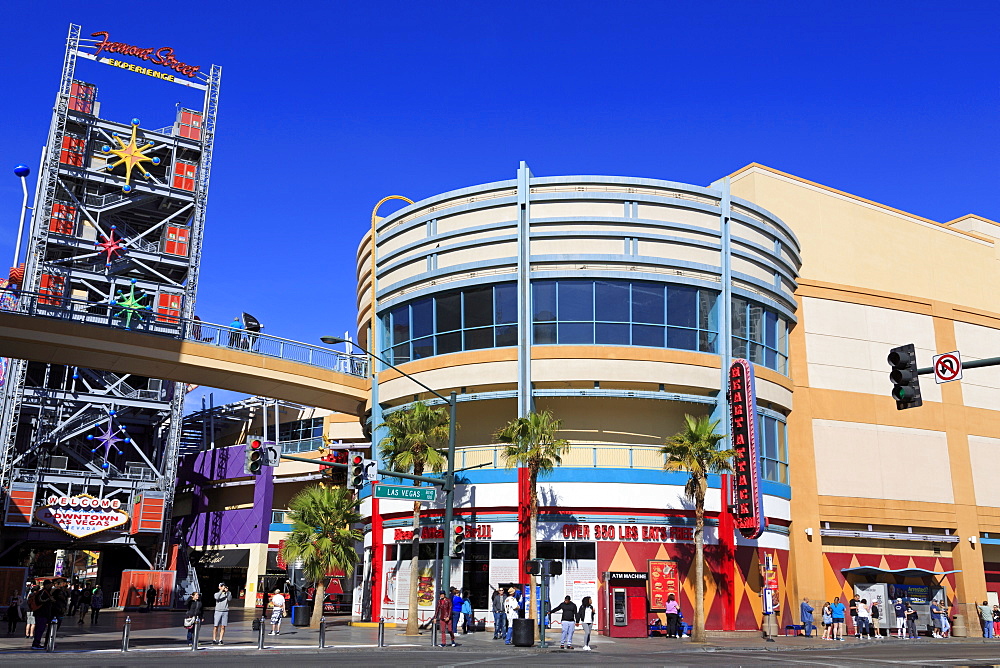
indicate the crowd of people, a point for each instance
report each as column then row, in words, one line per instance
column 51, row 602
column 866, row 618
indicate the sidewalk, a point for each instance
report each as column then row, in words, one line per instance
column 162, row 631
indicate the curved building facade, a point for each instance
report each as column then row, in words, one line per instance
column 617, row 304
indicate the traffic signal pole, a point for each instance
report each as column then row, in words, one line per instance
column 974, row 364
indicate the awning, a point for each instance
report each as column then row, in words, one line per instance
column 222, row 558
column 902, row 572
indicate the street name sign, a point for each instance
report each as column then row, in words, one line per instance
column 405, row 493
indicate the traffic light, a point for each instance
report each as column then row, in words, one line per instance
column 905, row 382
column 533, row 567
column 356, row 470
column 555, row 568
column 253, row 460
column 457, row 540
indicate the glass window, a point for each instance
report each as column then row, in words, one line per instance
column 682, row 339
column 612, row 333
column 400, row 323
column 478, row 306
column 423, row 348
column 647, row 335
column 576, row 300
column 576, row 332
column 611, row 301
column 506, row 335
column 682, row 306
column 505, row 550
column 476, row 339
column 550, row 550
column 505, row 300
column 422, row 318
column 647, row 304
column 449, row 312
column 544, row 334
column 543, row 301
column 774, row 450
column 477, row 551
column 401, row 353
column 755, row 323
column 581, row 551
column 449, row 343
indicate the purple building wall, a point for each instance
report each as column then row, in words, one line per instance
column 223, row 527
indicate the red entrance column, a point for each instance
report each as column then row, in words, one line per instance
column 727, row 544
column 376, row 558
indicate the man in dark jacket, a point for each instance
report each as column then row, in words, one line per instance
column 499, row 616
column 568, row 608
column 43, row 605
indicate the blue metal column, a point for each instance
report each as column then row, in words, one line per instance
column 524, row 399
column 721, row 411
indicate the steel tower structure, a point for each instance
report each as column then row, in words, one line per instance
column 118, row 223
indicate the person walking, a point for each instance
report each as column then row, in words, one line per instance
column 467, row 616
column 236, row 333
column 827, row 621
column 442, row 614
column 42, row 603
column 586, row 617
column 837, row 612
column 86, row 596
column 853, row 611
column 29, row 614
column 511, row 608
column 935, row 610
column 945, row 623
column 195, row 609
column 222, row 598
column 277, row 612
column 150, row 598
column 499, row 618
column 996, row 621
column 74, row 599
column 864, row 619
column 911, row 622
column 456, row 610
column 900, row 611
column 14, row 612
column 673, row 612
column 876, row 611
column 569, row 621
column 96, row 603
column 60, row 601
column 806, row 616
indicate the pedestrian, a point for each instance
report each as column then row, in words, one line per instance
column 876, row 618
column 74, row 599
column 277, row 612
column 837, row 612
column 96, row 603
column 236, row 333
column 945, row 623
column 29, row 614
column 806, row 615
column 195, row 609
column 511, row 608
column 673, row 611
column 911, row 622
column 827, row 621
column 86, row 597
column 996, row 621
column 14, row 612
column 853, row 610
column 986, row 615
column 499, row 618
column 456, row 609
column 864, row 619
column 442, row 614
column 569, row 622
column 900, row 611
column 150, row 598
column 60, row 601
column 41, row 603
column 586, row 616
column 467, row 615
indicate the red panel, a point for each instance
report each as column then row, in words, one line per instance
column 189, row 123
column 168, row 306
column 82, row 97
column 20, row 505
column 176, row 241
column 134, row 583
column 72, row 151
column 184, row 175
column 52, row 285
column 63, row 219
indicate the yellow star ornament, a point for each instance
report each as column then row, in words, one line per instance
column 131, row 155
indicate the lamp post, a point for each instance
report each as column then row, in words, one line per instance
column 448, row 484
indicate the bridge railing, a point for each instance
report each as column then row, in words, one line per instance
column 147, row 321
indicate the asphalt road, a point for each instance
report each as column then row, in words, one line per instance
column 921, row 653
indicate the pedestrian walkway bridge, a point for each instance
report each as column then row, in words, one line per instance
column 135, row 340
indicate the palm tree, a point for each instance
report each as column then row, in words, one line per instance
column 322, row 537
column 532, row 443
column 695, row 449
column 411, row 447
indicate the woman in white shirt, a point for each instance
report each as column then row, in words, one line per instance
column 585, row 615
column 510, row 607
column 864, row 619
column 277, row 612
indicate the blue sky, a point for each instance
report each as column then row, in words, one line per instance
column 328, row 107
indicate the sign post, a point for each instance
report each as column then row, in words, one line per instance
column 405, row 493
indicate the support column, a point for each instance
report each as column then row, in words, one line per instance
column 524, row 329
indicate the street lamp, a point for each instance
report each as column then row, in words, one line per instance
column 448, row 484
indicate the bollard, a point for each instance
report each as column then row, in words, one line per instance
column 322, row 632
column 260, row 633
column 126, row 631
column 50, row 639
column 195, row 630
column 434, row 632
column 381, row 631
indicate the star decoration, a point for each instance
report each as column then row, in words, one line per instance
column 131, row 155
column 130, row 306
column 109, row 439
column 110, row 246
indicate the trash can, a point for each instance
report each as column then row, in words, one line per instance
column 300, row 615
column 524, row 633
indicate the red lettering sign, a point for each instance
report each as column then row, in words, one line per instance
column 163, row 56
column 746, row 494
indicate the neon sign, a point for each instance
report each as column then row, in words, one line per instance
column 82, row 515
column 163, row 56
column 747, row 501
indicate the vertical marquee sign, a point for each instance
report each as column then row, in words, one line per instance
column 747, row 501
